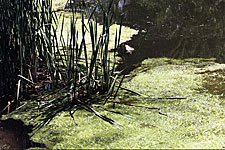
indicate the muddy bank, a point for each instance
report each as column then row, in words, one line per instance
column 14, row 135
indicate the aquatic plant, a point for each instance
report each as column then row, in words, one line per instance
column 31, row 45
column 83, row 76
column 22, row 42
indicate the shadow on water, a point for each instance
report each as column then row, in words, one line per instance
column 14, row 135
column 175, row 29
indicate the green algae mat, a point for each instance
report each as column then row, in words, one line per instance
column 189, row 94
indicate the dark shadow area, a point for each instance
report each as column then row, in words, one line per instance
column 174, row 29
column 14, row 135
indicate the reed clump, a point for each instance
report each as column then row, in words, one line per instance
column 77, row 76
column 21, row 44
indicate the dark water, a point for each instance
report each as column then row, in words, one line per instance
column 14, row 135
column 172, row 28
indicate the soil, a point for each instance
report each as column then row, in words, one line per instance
column 14, row 135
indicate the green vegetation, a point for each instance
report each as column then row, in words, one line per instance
column 181, row 105
column 84, row 67
column 194, row 122
column 126, row 34
column 80, row 67
column 25, row 32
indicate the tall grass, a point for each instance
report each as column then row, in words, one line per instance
column 21, row 42
column 88, row 76
column 80, row 76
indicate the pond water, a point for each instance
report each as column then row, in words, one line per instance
column 172, row 28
